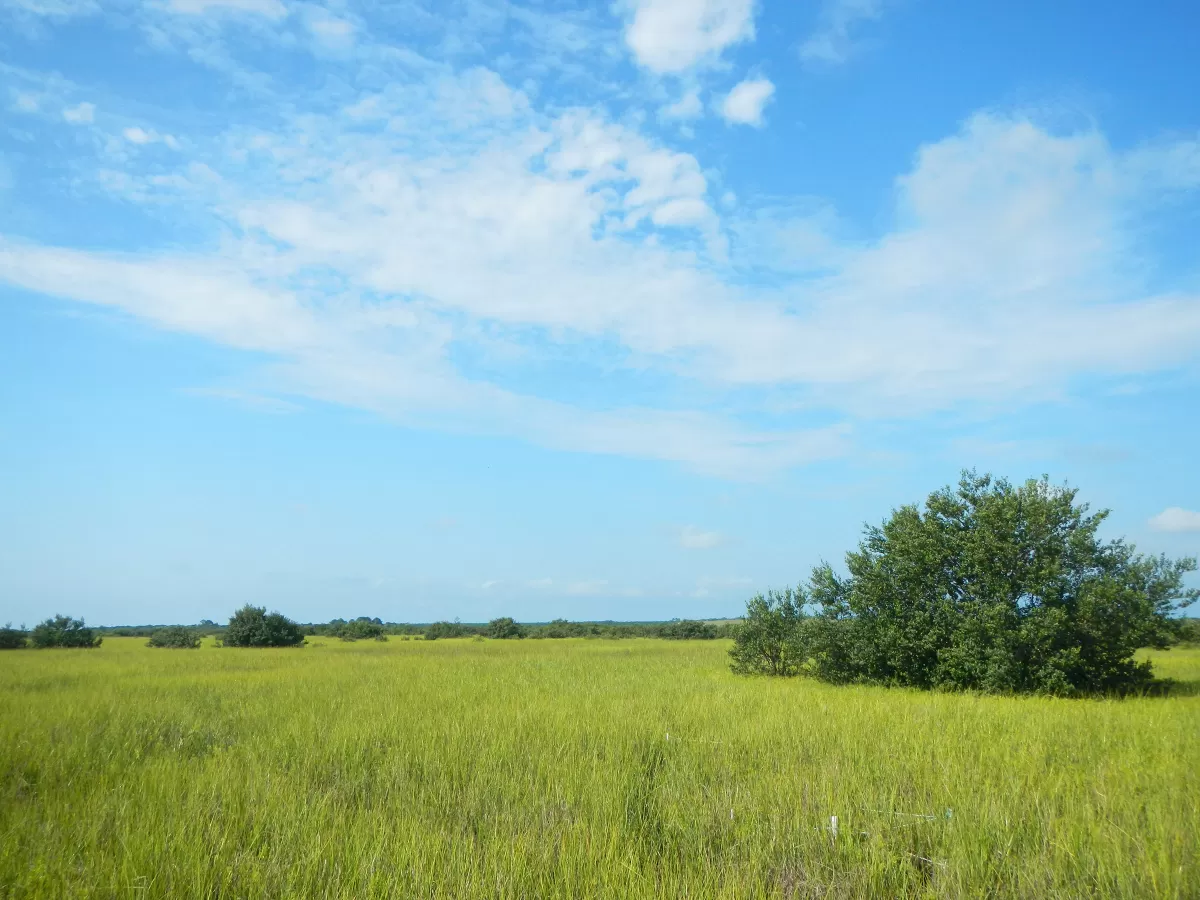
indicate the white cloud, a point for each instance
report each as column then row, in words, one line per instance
column 693, row 538
column 671, row 36
column 686, row 107
column 53, row 9
column 25, row 102
column 833, row 42
column 744, row 104
column 330, row 30
column 451, row 214
column 141, row 137
column 137, row 135
column 272, row 9
column 1176, row 519
column 80, row 114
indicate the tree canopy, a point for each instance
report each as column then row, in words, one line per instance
column 504, row 628
column 993, row 587
column 63, row 631
column 253, row 626
column 174, row 637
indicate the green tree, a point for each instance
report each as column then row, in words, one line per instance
column 253, row 626
column 770, row 638
column 12, row 638
column 995, row 587
column 175, row 637
column 360, row 629
column 63, row 631
column 504, row 628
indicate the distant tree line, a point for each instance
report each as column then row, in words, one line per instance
column 253, row 626
column 990, row 587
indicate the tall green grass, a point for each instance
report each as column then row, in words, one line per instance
column 543, row 769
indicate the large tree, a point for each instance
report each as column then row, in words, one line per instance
column 996, row 587
column 991, row 586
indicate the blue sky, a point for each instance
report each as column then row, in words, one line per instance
column 465, row 309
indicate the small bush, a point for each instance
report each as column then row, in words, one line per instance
column 253, row 626
column 12, row 638
column 504, row 628
column 174, row 638
column 360, row 629
column 769, row 639
column 446, row 630
column 63, row 631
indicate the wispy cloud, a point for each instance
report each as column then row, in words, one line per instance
column 372, row 238
column 1176, row 519
column 833, row 42
column 80, row 114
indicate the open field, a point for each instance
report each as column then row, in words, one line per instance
column 542, row 769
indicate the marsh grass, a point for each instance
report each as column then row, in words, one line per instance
column 541, row 769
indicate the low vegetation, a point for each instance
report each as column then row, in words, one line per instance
column 575, row 768
column 176, row 637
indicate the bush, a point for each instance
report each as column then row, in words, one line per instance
column 175, row 637
column 253, row 626
column 994, row 588
column 1188, row 631
column 687, row 630
column 360, row 629
column 12, row 638
column 504, row 628
column 63, row 631
column 447, row 630
column 769, row 640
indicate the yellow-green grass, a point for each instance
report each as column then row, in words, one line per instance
column 543, row 769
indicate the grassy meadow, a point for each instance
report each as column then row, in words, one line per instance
column 463, row 768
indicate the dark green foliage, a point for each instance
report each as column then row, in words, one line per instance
column 253, row 626
column 175, row 637
column 447, row 630
column 361, row 629
column 769, row 640
column 63, row 631
column 12, row 638
column 504, row 628
column 1188, row 631
column 687, row 630
column 998, row 588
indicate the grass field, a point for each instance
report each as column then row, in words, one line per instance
column 543, row 769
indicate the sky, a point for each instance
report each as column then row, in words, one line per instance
column 469, row 308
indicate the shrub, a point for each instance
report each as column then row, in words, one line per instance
column 63, row 631
column 1188, row 631
column 504, row 628
column 995, row 588
column 687, row 630
column 12, row 638
column 253, row 626
column 360, row 629
column 769, row 639
column 175, row 637
column 446, row 630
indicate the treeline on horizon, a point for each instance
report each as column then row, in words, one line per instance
column 63, row 631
